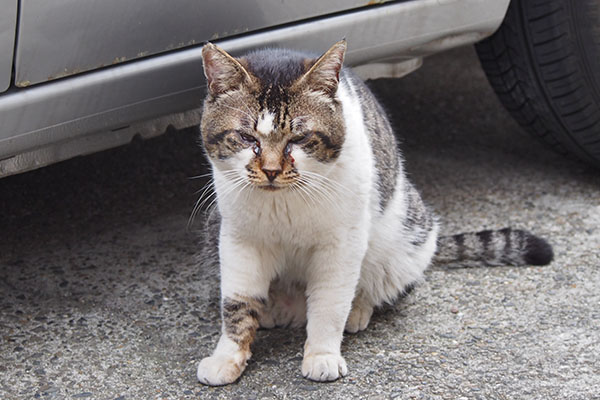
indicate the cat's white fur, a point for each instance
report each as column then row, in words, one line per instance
column 337, row 243
column 265, row 123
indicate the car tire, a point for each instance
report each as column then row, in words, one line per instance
column 544, row 64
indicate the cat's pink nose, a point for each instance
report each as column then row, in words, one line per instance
column 271, row 173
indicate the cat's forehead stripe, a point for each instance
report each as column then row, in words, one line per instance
column 264, row 125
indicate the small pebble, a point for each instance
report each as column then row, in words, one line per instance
column 82, row 395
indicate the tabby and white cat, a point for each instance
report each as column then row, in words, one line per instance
column 318, row 222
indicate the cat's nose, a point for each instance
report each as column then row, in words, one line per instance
column 271, row 173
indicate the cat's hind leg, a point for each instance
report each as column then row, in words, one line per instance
column 401, row 245
column 286, row 306
column 360, row 315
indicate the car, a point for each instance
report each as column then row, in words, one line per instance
column 78, row 77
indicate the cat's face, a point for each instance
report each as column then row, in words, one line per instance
column 271, row 119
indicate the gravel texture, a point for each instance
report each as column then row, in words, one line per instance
column 102, row 295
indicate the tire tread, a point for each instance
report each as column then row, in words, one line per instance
column 533, row 64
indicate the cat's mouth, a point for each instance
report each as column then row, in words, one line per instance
column 271, row 187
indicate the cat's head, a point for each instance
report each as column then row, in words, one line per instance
column 272, row 117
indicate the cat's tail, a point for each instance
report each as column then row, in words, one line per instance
column 498, row 247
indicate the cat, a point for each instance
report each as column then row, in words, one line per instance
column 317, row 222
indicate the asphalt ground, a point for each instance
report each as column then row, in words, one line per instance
column 102, row 294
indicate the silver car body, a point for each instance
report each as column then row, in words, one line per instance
column 78, row 77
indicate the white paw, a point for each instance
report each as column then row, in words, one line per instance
column 324, row 367
column 219, row 370
column 359, row 318
column 265, row 320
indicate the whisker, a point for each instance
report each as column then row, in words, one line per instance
column 226, row 172
column 248, row 183
column 209, row 192
column 305, row 189
column 200, row 176
column 294, row 188
column 236, row 184
column 197, row 207
column 212, row 193
column 324, row 191
column 325, row 178
column 203, row 188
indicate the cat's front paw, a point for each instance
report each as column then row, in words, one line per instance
column 324, row 367
column 219, row 370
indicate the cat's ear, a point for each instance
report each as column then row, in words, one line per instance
column 324, row 74
column 223, row 72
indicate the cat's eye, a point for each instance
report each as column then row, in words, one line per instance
column 300, row 139
column 248, row 138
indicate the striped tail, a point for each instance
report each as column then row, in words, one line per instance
column 502, row 247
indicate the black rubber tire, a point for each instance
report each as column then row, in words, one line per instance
column 544, row 64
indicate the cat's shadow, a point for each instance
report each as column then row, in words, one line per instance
column 282, row 347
